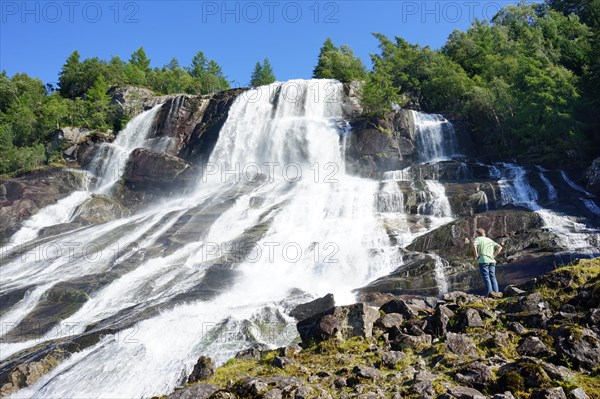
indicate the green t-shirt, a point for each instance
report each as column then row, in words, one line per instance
column 485, row 249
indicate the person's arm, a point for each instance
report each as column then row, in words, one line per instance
column 498, row 250
column 475, row 251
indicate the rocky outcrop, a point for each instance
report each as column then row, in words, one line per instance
column 24, row 196
column 203, row 370
column 204, row 135
column 309, row 309
column 528, row 252
column 592, row 176
column 131, row 100
column 151, row 171
column 149, row 175
column 377, row 145
column 340, row 322
column 99, row 209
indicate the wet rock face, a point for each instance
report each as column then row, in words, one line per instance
column 99, row 209
column 202, row 139
column 24, row 196
column 148, row 170
column 176, row 120
column 378, row 145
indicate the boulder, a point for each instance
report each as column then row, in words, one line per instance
column 203, row 370
column 148, row 170
column 531, row 310
column 391, row 358
column 99, row 209
column 580, row 345
column 549, row 393
column 389, row 320
column 578, row 393
column 281, row 362
column 197, row 391
column 471, row 318
column 533, row 346
column 460, row 345
column 465, row 393
column 306, row 310
column 399, row 306
column 252, row 353
column 476, row 375
column 340, row 322
column 366, row 372
column 438, row 323
column 416, row 343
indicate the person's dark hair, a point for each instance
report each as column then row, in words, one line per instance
column 481, row 232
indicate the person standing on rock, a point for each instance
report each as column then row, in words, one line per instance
column 486, row 250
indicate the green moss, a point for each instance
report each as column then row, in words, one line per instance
column 513, row 382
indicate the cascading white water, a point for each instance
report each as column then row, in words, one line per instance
column 108, row 164
column 110, row 160
column 440, row 275
column 552, row 194
column 515, row 188
column 591, row 205
column 390, row 199
column 574, row 236
column 435, row 136
column 312, row 228
column 572, row 184
column 438, row 204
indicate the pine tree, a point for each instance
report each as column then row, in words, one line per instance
column 69, row 77
column 262, row 74
column 140, row 60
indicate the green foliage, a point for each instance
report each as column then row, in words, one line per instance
column 208, row 76
column 378, row 94
column 262, row 74
column 339, row 63
column 524, row 80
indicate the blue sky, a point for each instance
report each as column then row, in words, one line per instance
column 36, row 37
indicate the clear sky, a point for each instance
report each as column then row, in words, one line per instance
column 36, row 37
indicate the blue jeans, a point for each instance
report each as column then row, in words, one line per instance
column 488, row 273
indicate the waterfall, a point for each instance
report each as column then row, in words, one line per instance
column 399, row 175
column 437, row 205
column 110, row 160
column 390, row 199
column 440, row 276
column 575, row 237
column 108, row 164
column 591, row 205
column 572, row 184
column 515, row 188
column 552, row 195
column 435, row 136
column 274, row 219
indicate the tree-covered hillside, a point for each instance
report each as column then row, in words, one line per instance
column 526, row 83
